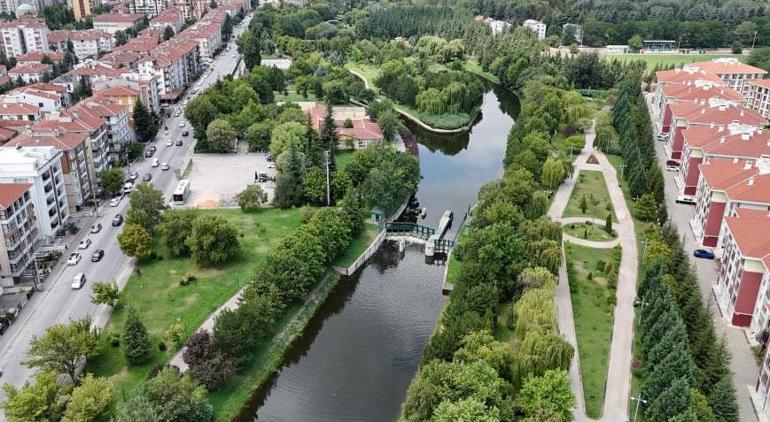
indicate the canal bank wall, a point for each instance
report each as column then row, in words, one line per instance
column 376, row 243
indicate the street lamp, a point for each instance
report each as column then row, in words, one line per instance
column 641, row 304
column 638, row 399
column 644, row 250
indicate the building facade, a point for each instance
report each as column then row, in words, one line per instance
column 19, row 230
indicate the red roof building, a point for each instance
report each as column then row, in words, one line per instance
column 363, row 132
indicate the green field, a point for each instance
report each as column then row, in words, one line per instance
column 594, row 231
column 293, row 96
column 342, row 158
column 661, row 60
column 591, row 184
column 592, row 306
column 160, row 300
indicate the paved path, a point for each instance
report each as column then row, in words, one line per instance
column 618, row 387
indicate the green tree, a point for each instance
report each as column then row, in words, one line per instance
column 248, row 46
column 145, row 125
column 213, row 240
column 92, row 400
column 120, row 38
column 465, row 410
column 289, row 191
column 252, row 198
column 553, row 173
column 568, row 35
column 112, row 180
column 44, row 400
column 328, row 136
column 314, row 185
column 167, row 397
column 332, row 229
column 147, row 205
column 645, row 207
column 635, row 43
column 745, row 32
column 583, row 204
column 221, row 136
column 176, row 228
column 722, row 399
column 287, row 135
column 238, row 331
column 482, row 346
column 63, row 347
column 759, row 57
column 550, row 392
column 258, row 135
column 389, row 123
column 168, row 33
column 136, row 341
column 106, row 293
column 672, row 402
column 608, row 223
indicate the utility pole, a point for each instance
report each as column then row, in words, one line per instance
column 754, row 40
column 644, row 251
column 641, row 304
column 638, row 399
column 328, row 190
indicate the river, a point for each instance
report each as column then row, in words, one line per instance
column 361, row 350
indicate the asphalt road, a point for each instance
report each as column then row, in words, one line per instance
column 58, row 302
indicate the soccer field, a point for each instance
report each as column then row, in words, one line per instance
column 667, row 59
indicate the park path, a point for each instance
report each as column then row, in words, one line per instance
column 618, row 387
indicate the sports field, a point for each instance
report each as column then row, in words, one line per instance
column 667, row 59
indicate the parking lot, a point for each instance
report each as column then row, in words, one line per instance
column 215, row 179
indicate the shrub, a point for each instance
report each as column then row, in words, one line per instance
column 114, row 339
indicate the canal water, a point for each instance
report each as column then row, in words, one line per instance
column 361, row 350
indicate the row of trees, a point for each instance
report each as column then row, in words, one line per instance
column 288, row 275
column 510, row 257
column 685, row 369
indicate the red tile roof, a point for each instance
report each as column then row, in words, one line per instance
column 684, row 75
column 64, row 141
column 749, row 229
column 118, row 17
column 363, row 128
column 10, row 192
column 37, row 56
column 694, row 93
column 18, row 108
column 117, row 91
column 30, row 69
column 727, row 65
column 722, row 174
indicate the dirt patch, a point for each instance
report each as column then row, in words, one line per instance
column 191, row 298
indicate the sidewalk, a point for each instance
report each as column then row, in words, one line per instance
column 618, row 386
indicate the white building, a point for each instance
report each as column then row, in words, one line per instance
column 19, row 231
column 147, row 7
column 48, row 102
column 733, row 73
column 23, row 36
column 537, row 27
column 115, row 22
column 87, row 44
column 41, row 168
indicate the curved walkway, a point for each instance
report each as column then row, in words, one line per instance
column 412, row 117
column 598, row 244
column 618, row 387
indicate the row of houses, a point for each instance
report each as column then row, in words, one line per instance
column 712, row 118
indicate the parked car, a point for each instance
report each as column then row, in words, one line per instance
column 97, row 255
column 117, row 220
column 703, row 253
column 78, row 281
column 181, row 124
column 114, row 202
column 169, row 142
column 148, row 153
column 133, row 176
column 84, row 244
column 179, row 143
column 186, row 133
column 74, row 258
column 147, row 177
column 164, row 166
column 155, row 162
column 685, row 199
column 672, row 168
column 96, row 228
column 128, row 187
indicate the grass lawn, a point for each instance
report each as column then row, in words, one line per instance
column 592, row 306
column 595, row 232
column 473, row 66
column 293, row 97
column 160, row 300
column 651, row 60
column 370, row 73
column 358, row 245
column 592, row 185
column 342, row 158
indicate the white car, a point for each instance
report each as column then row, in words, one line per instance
column 685, row 199
column 164, row 166
column 181, row 124
column 169, row 142
column 128, row 187
column 74, row 258
column 78, row 281
column 114, row 202
column 84, row 244
column 155, row 162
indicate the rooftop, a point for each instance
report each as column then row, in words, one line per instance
column 63, row 141
column 10, row 192
column 722, row 174
column 30, row 69
column 726, row 65
column 751, row 241
column 118, row 17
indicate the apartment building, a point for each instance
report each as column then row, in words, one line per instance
column 80, row 119
column 734, row 74
column 724, row 187
column 115, row 117
column 714, row 113
column 19, row 112
column 46, row 102
column 758, row 96
column 741, row 270
column 149, row 8
column 208, row 35
column 169, row 17
column 31, row 73
column 114, row 22
column 79, row 175
column 535, row 26
column 19, row 230
column 86, row 43
column 124, row 96
column 24, row 35
column 703, row 144
column 147, row 86
column 81, row 8
column 683, row 76
column 175, row 63
column 37, row 57
column 41, row 167
column 697, row 92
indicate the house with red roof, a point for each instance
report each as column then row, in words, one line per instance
column 169, row 17
column 725, row 187
column 114, row 22
column 703, row 144
column 711, row 113
column 37, row 57
column 744, row 252
column 88, row 43
column 23, row 113
column 693, row 92
column 362, row 131
column 30, row 73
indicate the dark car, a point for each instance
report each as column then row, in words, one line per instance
column 148, row 153
column 703, row 253
column 186, row 133
column 97, row 255
column 117, row 220
column 179, row 143
column 147, row 177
